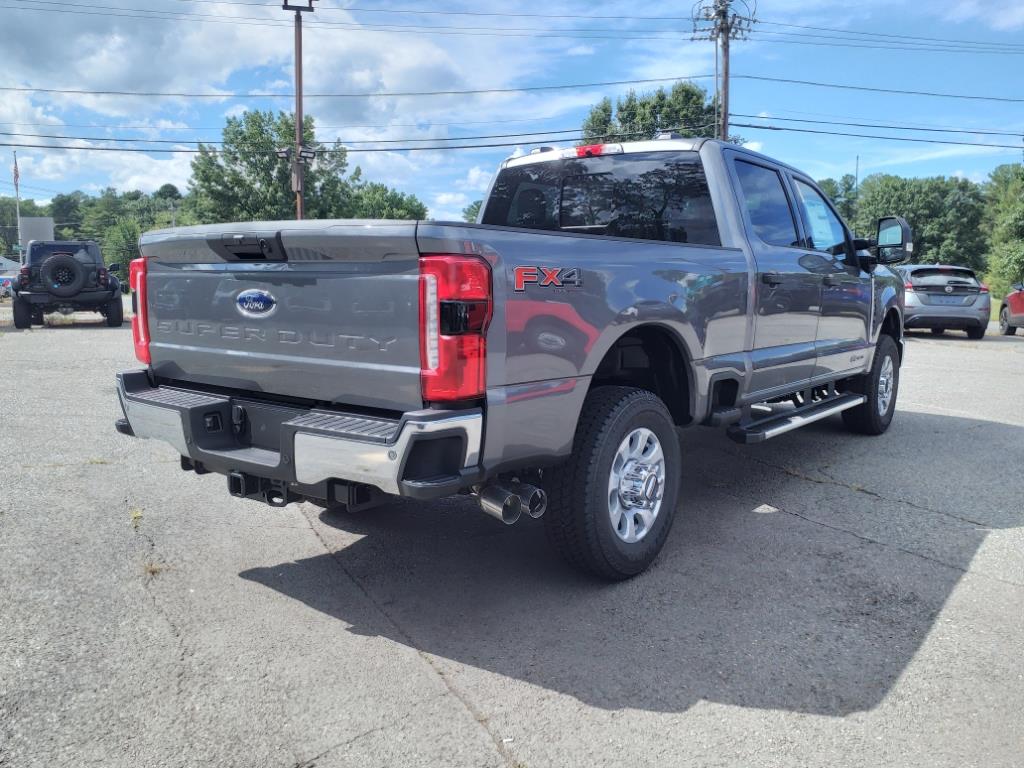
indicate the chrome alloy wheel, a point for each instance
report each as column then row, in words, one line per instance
column 636, row 485
column 886, row 384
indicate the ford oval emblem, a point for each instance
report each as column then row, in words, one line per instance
column 256, row 303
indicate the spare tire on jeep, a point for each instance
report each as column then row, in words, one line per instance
column 63, row 275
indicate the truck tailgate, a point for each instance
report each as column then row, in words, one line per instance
column 327, row 311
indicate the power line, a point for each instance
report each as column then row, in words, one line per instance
column 530, row 88
column 875, row 136
column 877, row 35
column 891, row 127
column 392, row 94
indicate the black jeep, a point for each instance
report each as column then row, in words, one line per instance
column 65, row 276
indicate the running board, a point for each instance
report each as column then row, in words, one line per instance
column 772, row 426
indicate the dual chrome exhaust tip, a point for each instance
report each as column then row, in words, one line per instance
column 510, row 503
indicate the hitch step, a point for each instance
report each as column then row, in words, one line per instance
column 779, row 424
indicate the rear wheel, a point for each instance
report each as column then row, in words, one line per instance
column 115, row 312
column 37, row 317
column 938, row 331
column 611, row 504
column 1004, row 323
column 22, row 314
column 977, row 332
column 880, row 386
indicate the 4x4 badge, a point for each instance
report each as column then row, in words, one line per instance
column 547, row 277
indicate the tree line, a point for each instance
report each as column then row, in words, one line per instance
column 243, row 180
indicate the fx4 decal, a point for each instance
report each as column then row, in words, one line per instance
column 545, row 277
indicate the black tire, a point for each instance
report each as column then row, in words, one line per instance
column 578, row 521
column 37, row 317
column 62, row 275
column 115, row 312
column 22, row 311
column 977, row 332
column 1004, row 323
column 938, row 331
column 865, row 418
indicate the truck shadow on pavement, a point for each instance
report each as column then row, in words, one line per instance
column 802, row 575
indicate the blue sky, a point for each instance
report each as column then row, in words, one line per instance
column 239, row 47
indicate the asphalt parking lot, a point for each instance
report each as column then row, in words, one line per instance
column 824, row 599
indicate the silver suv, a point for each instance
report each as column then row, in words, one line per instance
column 941, row 297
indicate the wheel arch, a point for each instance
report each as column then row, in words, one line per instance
column 653, row 357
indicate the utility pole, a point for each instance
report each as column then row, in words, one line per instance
column 299, row 155
column 722, row 21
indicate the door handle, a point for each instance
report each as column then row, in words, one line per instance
column 771, row 278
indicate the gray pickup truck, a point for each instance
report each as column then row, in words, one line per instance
column 540, row 360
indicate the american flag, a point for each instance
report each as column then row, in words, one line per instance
column 17, row 174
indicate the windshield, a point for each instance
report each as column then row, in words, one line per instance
column 87, row 253
column 648, row 195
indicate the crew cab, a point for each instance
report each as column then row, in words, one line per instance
column 540, row 360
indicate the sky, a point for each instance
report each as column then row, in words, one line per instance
column 230, row 51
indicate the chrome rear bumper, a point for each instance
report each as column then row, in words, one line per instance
column 297, row 445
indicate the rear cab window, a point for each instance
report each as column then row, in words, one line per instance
column 87, row 253
column 643, row 195
column 767, row 204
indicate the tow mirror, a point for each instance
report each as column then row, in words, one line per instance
column 895, row 242
column 114, row 268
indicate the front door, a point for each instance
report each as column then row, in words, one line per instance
column 844, row 330
column 787, row 289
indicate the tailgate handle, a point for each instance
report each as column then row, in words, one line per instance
column 248, row 248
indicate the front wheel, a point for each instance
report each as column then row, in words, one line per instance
column 611, row 504
column 938, row 331
column 879, row 386
column 977, row 332
column 22, row 314
column 1004, row 323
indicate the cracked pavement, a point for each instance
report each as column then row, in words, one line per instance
column 824, row 599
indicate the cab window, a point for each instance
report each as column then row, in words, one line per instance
column 825, row 231
column 767, row 204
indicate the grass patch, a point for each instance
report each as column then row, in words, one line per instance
column 153, row 570
column 136, row 517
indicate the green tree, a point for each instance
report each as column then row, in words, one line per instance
column 121, row 242
column 472, row 211
column 167, row 192
column 1004, row 222
column 945, row 214
column 843, row 194
column 66, row 211
column 371, row 200
column 247, row 181
column 684, row 108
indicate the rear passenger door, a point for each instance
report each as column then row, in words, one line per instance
column 844, row 329
column 787, row 287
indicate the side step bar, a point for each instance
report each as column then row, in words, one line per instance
column 779, row 424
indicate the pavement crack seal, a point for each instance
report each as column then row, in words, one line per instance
column 830, row 480
column 152, row 567
column 860, row 536
column 479, row 717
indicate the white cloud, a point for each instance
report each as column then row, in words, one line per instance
column 448, row 199
column 477, row 179
column 754, row 146
column 995, row 14
column 581, row 50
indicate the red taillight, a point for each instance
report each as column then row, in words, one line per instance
column 984, row 288
column 140, row 318
column 24, row 277
column 455, row 308
column 909, row 286
column 590, row 150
